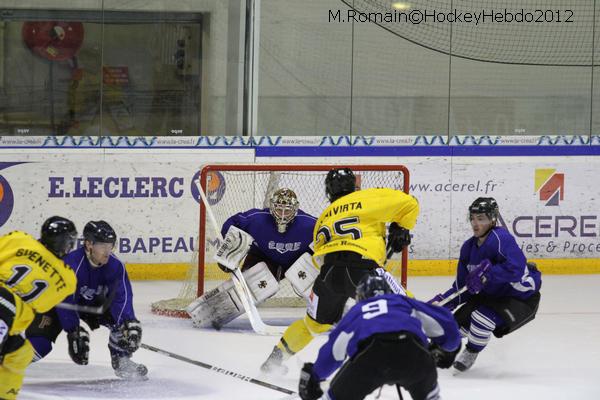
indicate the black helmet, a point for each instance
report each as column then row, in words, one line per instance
column 58, row 235
column 485, row 205
column 99, row 232
column 371, row 286
column 339, row 182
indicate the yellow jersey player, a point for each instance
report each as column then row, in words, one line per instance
column 33, row 279
column 350, row 242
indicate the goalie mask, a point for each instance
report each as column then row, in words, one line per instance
column 283, row 206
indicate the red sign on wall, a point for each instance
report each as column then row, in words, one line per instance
column 118, row 76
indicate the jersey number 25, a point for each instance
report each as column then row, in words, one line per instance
column 340, row 228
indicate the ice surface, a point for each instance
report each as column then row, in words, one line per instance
column 557, row 356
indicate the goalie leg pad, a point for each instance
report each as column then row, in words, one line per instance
column 261, row 282
column 302, row 274
column 222, row 304
column 216, row 307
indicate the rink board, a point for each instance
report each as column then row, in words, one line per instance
column 148, row 192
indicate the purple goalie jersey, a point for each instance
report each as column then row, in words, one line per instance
column 280, row 249
column 94, row 284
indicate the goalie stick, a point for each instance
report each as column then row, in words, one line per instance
column 217, row 369
column 240, row 284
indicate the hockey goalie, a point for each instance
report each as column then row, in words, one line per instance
column 268, row 245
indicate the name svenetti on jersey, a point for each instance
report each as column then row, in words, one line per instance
column 355, row 205
column 35, row 257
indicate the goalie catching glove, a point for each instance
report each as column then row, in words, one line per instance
column 398, row 238
column 233, row 249
column 79, row 345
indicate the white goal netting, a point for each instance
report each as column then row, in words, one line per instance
column 233, row 188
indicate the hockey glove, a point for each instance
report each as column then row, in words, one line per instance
column 398, row 238
column 477, row 278
column 79, row 345
column 132, row 335
column 438, row 298
column 309, row 387
column 443, row 358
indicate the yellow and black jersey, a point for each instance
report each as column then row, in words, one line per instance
column 357, row 222
column 33, row 273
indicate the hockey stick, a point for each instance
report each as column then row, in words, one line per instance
column 97, row 310
column 240, row 284
column 216, row 369
column 451, row 297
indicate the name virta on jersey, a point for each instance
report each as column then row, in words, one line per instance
column 355, row 205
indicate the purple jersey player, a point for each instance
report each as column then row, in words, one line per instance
column 383, row 339
column 101, row 280
column 503, row 290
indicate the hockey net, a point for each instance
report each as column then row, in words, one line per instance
column 233, row 188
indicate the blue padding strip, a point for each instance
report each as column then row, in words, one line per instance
column 394, row 151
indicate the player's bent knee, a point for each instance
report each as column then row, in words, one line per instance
column 314, row 327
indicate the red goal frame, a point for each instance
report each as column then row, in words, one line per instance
column 280, row 167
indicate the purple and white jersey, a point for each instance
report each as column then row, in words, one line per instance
column 94, row 285
column 509, row 275
column 280, row 249
column 385, row 314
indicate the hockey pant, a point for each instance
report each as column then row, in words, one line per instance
column 15, row 351
column 514, row 312
column 388, row 358
column 336, row 283
column 46, row 327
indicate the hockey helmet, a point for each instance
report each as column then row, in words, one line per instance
column 485, row 205
column 371, row 286
column 283, row 206
column 99, row 232
column 339, row 182
column 58, row 235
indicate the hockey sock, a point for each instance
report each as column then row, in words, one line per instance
column 299, row 334
column 483, row 322
column 41, row 347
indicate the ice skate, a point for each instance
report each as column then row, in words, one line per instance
column 127, row 369
column 274, row 364
column 465, row 360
